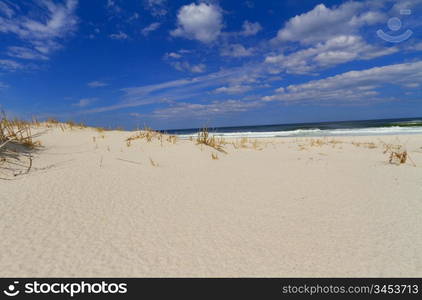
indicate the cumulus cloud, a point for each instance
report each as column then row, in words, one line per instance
column 334, row 51
column 352, row 85
column 43, row 30
column 202, row 22
column 250, row 28
column 150, row 28
column 323, row 23
column 236, row 50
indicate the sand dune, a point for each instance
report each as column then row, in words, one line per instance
column 94, row 206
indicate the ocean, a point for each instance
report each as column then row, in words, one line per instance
column 342, row 128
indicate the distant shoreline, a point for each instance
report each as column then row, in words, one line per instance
column 342, row 128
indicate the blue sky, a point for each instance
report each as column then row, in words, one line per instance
column 183, row 64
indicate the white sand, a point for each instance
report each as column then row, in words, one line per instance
column 101, row 209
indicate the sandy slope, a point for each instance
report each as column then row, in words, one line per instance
column 99, row 208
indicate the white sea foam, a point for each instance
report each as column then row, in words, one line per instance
column 316, row 132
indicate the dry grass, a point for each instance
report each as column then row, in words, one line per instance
column 246, row 143
column 204, row 138
column 397, row 154
column 72, row 125
column 319, row 143
column 368, row 145
column 214, row 156
column 172, row 139
column 16, row 142
column 149, row 135
column 16, row 131
column 153, row 163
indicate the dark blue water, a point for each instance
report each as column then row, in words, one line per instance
column 366, row 127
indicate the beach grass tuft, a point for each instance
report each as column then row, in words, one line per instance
column 397, row 154
column 246, row 143
column 16, row 131
column 16, row 142
column 204, row 138
column 149, row 135
column 369, row 145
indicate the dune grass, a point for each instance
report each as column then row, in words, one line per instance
column 204, row 138
column 149, row 135
column 397, row 154
column 312, row 143
column 247, row 143
column 16, row 131
column 369, row 145
column 16, row 142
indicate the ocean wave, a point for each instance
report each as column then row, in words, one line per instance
column 316, row 132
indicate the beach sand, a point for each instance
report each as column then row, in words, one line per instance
column 92, row 206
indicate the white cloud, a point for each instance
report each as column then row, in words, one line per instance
column 113, row 6
column 353, row 85
column 186, row 66
column 249, row 28
column 403, row 4
column 236, row 50
column 172, row 55
column 10, row 65
column 25, row 53
column 323, row 23
column 150, row 28
column 119, row 36
column 201, row 110
column 233, row 89
column 412, row 85
column 334, row 51
column 44, row 27
column 171, row 90
column 6, row 10
column 95, row 84
column 202, row 22
column 157, row 8
column 85, row 102
column 249, row 4
column 135, row 16
column 417, row 47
